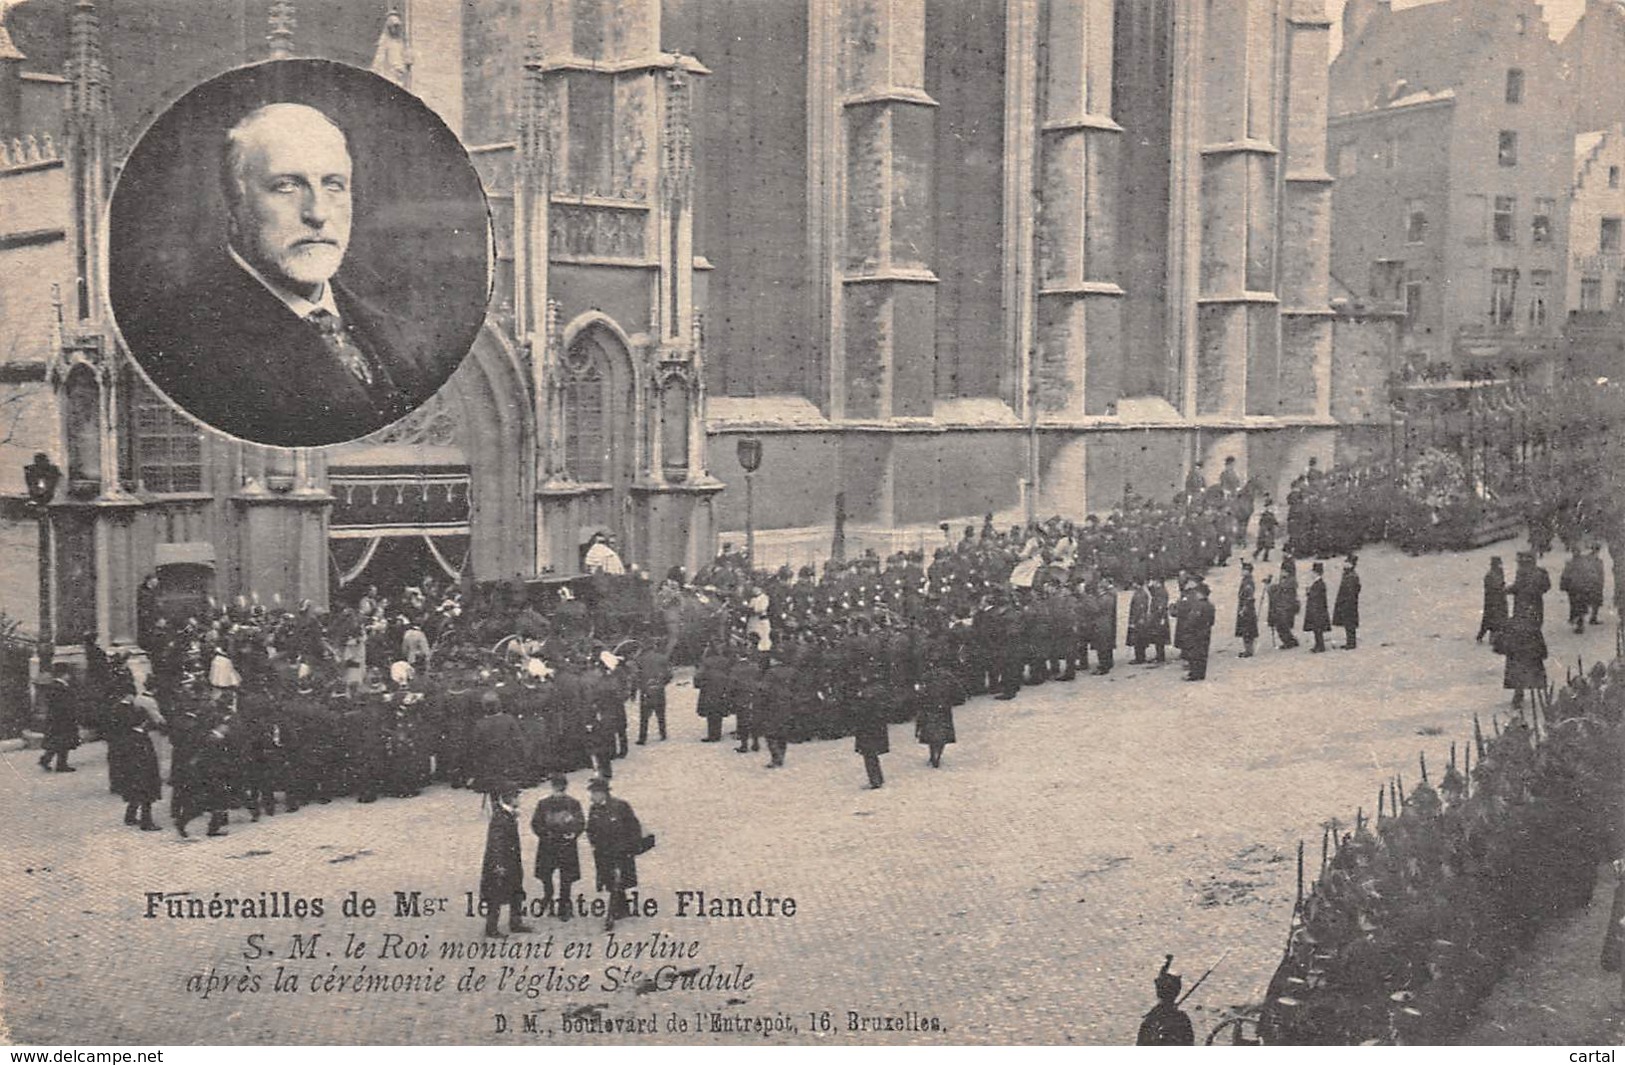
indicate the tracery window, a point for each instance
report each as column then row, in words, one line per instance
column 587, row 441
column 168, row 448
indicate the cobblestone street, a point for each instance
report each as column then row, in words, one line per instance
column 1024, row 892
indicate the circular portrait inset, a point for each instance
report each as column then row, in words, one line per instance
column 298, row 253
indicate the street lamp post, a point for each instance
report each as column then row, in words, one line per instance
column 41, row 478
column 750, row 460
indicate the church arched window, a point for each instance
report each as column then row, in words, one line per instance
column 168, row 449
column 587, row 441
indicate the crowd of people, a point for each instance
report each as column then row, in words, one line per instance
column 269, row 708
column 1415, row 912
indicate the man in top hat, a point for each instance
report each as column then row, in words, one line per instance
column 502, row 876
column 558, row 823
column 1317, row 617
column 1166, row 1025
column 616, row 838
column 1346, row 611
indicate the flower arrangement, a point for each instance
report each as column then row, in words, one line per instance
column 1436, row 479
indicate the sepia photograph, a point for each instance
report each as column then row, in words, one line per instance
column 274, row 288
column 811, row 523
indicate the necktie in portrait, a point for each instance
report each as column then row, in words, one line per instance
column 340, row 344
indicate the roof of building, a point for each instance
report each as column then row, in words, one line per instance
column 1411, row 55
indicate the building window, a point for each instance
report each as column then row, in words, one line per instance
column 1540, row 225
column 1505, row 219
column 1413, row 300
column 1514, row 86
column 1591, row 294
column 169, row 452
column 1503, row 294
column 1506, row 148
column 1608, row 236
column 1390, row 153
column 1540, row 285
column 1613, row 177
column 1416, row 221
column 1619, row 294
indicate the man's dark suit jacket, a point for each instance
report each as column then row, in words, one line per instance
column 233, row 355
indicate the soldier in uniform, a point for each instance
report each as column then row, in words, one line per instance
column 745, row 689
column 1157, row 623
column 1268, row 524
column 1196, row 627
column 1139, row 620
column 1166, row 1025
column 603, row 702
column 1282, row 599
column 502, row 874
column 1247, row 611
column 1317, row 616
column 558, row 823
column 616, row 838
column 654, row 674
column 1103, row 614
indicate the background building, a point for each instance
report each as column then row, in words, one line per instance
column 1451, row 137
column 942, row 257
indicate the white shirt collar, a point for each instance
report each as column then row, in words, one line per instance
column 300, row 306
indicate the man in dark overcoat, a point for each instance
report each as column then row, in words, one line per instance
column 1529, row 587
column 494, row 745
column 1247, row 611
column 711, row 681
column 502, row 874
column 558, row 823
column 1346, row 611
column 1196, row 627
column 934, row 723
column 616, row 838
column 870, row 730
column 61, row 719
column 654, row 674
column 1317, row 616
